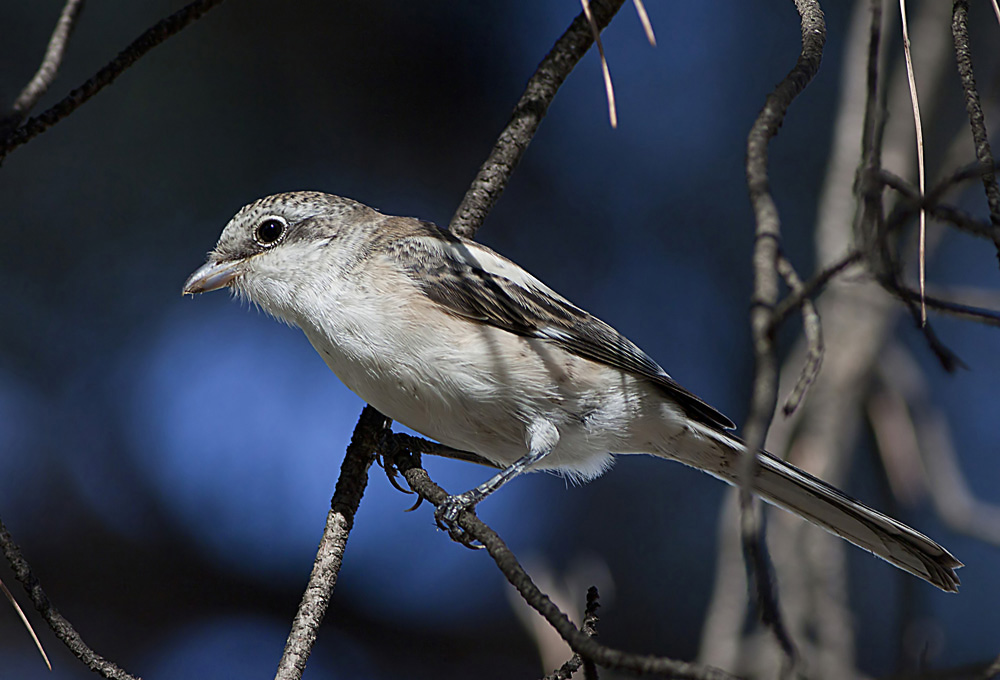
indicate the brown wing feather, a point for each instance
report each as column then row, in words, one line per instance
column 474, row 293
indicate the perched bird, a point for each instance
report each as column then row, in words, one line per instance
column 464, row 346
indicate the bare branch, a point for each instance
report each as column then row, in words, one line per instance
column 152, row 37
column 813, row 332
column 60, row 626
column 46, row 73
column 977, row 121
column 541, row 89
column 581, row 643
column 765, row 296
column 339, row 521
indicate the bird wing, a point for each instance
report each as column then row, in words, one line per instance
column 473, row 282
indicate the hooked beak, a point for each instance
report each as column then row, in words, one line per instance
column 211, row 276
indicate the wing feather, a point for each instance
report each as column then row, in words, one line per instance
column 476, row 283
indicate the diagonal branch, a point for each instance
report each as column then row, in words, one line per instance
column 581, row 643
column 541, row 89
column 152, row 37
column 46, row 73
column 60, row 626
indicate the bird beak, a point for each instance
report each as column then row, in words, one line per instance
column 211, row 276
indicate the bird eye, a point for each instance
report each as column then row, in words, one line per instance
column 269, row 231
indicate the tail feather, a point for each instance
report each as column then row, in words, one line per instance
column 798, row 492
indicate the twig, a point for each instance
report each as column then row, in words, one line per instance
column 46, row 73
column 930, row 436
column 915, row 103
column 541, row 89
column 812, row 287
column 152, row 37
column 765, row 296
column 581, row 643
column 60, row 626
column 339, row 521
column 589, row 627
column 813, row 332
column 977, row 121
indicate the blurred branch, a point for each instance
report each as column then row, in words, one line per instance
column 812, row 330
column 977, row 121
column 589, row 627
column 581, row 643
column 152, row 37
column 339, row 521
column 765, row 296
column 60, row 626
column 929, row 433
column 46, row 73
column 541, row 89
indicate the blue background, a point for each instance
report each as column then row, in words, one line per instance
column 166, row 464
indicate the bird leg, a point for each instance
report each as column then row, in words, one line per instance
column 543, row 438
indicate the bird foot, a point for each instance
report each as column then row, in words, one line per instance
column 447, row 514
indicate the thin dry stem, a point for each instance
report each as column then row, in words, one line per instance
column 608, row 87
column 915, row 102
column 646, row 24
column 27, row 624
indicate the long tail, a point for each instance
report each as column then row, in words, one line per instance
column 813, row 499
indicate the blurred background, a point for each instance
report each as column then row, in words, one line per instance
column 166, row 464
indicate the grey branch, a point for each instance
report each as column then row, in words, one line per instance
column 46, row 73
column 346, row 499
column 541, row 89
column 152, row 37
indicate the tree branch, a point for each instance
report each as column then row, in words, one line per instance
column 765, row 296
column 581, row 643
column 339, row 521
column 977, row 122
column 60, row 626
column 152, row 37
column 541, row 89
column 46, row 73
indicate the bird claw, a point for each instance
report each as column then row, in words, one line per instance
column 446, row 517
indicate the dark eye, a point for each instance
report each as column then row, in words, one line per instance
column 269, row 231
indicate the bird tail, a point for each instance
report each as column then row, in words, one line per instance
column 800, row 493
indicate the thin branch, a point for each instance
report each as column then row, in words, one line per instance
column 813, row 332
column 60, row 626
column 915, row 104
column 589, row 627
column 928, row 439
column 46, row 73
column 339, row 521
column 977, row 121
column 581, row 643
column 162, row 30
column 541, row 89
column 812, row 287
column 765, row 296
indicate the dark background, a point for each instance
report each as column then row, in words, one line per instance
column 166, row 464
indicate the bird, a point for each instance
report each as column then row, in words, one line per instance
column 462, row 345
